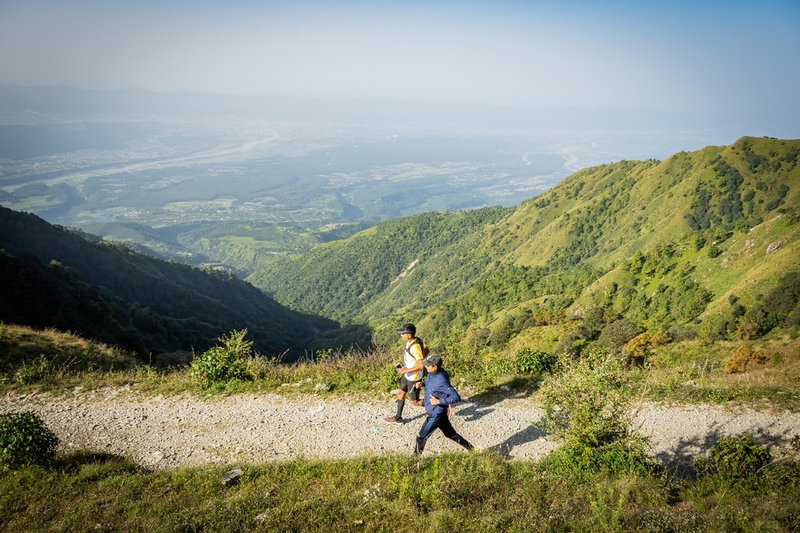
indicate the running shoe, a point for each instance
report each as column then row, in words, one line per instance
column 393, row 420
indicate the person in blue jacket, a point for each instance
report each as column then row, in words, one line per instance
column 439, row 395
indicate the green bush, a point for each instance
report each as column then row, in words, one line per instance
column 616, row 334
column 587, row 405
column 34, row 371
column 576, row 461
column 25, row 440
column 531, row 361
column 223, row 363
column 734, row 458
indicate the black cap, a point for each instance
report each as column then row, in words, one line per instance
column 407, row 328
column 432, row 360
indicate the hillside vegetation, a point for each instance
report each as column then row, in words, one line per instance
column 702, row 244
column 243, row 246
column 628, row 282
column 57, row 278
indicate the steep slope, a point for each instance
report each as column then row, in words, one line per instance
column 644, row 229
column 182, row 307
column 344, row 279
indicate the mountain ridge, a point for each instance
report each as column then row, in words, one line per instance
column 190, row 308
column 541, row 254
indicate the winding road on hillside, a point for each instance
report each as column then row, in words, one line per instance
column 183, row 430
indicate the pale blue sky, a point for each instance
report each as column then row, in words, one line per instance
column 680, row 55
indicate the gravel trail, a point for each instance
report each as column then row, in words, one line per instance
column 183, row 430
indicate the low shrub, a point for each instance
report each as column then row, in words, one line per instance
column 734, row 458
column 223, row 363
column 25, row 441
column 742, row 357
column 530, row 361
column 575, row 460
column 587, row 406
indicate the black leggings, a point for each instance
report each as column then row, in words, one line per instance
column 441, row 421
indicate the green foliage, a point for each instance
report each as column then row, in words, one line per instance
column 618, row 333
column 779, row 307
column 25, row 440
column 531, row 361
column 607, row 510
column 109, row 292
column 420, row 488
column 474, row 492
column 586, row 405
column 340, row 279
column 34, row 371
column 677, row 298
column 223, row 363
column 734, row 458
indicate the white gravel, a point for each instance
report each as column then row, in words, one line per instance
column 183, row 430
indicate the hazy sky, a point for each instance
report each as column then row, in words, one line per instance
column 637, row 54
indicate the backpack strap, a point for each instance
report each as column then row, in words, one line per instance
column 421, row 347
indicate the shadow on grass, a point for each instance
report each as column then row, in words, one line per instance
column 104, row 463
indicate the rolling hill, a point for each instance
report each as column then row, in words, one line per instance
column 65, row 279
column 703, row 242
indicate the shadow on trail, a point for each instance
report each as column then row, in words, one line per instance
column 680, row 458
column 471, row 410
column 517, row 389
column 524, row 436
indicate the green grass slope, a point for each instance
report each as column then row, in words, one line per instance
column 676, row 240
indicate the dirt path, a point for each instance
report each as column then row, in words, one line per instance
column 168, row 432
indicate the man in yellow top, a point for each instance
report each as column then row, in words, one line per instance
column 411, row 372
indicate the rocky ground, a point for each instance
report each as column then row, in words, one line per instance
column 183, row 430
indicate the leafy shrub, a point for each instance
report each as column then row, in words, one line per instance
column 577, row 460
column 638, row 347
column 734, row 458
column 588, row 402
column 587, row 406
column 531, row 361
column 25, row 440
column 742, row 357
column 681, row 332
column 222, row 363
column 34, row 371
column 616, row 334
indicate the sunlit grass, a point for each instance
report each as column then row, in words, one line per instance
column 453, row 492
column 685, row 372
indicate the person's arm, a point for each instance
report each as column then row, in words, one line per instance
column 444, row 394
column 445, row 397
column 414, row 368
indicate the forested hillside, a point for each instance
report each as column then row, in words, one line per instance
column 703, row 243
column 54, row 277
column 243, row 246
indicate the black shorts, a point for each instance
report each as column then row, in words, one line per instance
column 410, row 387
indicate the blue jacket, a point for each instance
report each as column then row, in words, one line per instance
column 438, row 385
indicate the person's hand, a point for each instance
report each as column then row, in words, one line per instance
column 418, row 385
column 402, row 370
column 435, row 400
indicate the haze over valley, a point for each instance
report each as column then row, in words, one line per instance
column 283, row 174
